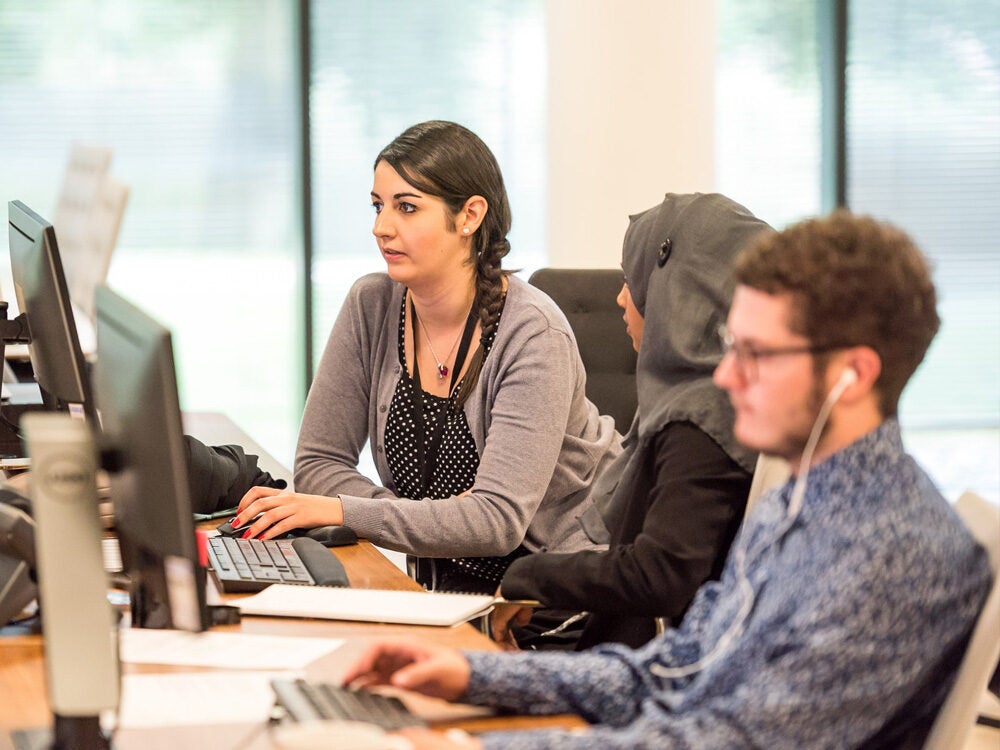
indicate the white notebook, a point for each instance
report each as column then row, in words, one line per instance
column 367, row 605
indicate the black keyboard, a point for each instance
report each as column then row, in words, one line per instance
column 318, row 701
column 240, row 565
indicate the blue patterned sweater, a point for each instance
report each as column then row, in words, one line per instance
column 858, row 618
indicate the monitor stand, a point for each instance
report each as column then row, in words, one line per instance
column 74, row 733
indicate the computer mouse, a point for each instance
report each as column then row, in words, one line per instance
column 333, row 536
column 226, row 529
column 335, row 735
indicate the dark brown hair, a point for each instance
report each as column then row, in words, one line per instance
column 853, row 281
column 450, row 162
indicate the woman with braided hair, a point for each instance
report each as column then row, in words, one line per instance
column 466, row 381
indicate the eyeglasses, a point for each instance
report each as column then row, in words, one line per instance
column 748, row 355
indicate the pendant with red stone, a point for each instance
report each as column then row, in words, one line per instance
column 442, row 372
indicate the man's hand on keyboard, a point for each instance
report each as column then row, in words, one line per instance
column 432, row 670
column 273, row 512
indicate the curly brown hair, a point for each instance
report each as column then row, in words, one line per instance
column 853, row 281
column 451, row 162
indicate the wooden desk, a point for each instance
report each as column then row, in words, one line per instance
column 23, row 700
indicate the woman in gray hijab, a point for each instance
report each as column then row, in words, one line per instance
column 671, row 504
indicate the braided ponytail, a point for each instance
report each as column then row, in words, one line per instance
column 489, row 301
column 451, row 162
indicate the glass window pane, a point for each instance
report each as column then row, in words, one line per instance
column 924, row 152
column 381, row 66
column 768, row 107
column 197, row 102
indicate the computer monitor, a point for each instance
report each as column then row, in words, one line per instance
column 137, row 394
column 43, row 297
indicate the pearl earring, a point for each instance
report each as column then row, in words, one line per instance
column 465, row 230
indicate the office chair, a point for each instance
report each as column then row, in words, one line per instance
column 587, row 299
column 769, row 472
column 957, row 716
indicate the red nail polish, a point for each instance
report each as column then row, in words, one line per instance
column 246, row 534
column 235, row 522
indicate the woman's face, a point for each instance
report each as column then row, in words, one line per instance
column 412, row 231
column 634, row 322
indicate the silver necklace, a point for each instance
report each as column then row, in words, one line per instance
column 442, row 368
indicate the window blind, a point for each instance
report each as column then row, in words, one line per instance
column 381, row 66
column 923, row 151
column 196, row 101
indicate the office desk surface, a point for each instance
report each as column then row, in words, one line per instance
column 23, row 701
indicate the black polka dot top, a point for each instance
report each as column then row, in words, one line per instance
column 454, row 472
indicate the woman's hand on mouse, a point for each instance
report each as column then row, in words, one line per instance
column 280, row 511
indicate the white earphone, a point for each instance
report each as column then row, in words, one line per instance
column 847, row 378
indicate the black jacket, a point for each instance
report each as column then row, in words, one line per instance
column 220, row 475
column 673, row 534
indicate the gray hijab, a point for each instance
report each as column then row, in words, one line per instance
column 678, row 259
column 678, row 262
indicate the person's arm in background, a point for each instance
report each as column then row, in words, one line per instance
column 336, row 421
column 529, row 403
column 335, row 425
column 532, row 380
column 695, row 505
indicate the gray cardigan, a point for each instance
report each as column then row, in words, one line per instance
column 540, row 441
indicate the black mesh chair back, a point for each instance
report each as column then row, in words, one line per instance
column 587, row 298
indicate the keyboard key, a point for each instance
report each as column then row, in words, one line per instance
column 263, row 555
column 307, row 701
column 276, row 556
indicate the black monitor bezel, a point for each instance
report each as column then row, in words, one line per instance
column 40, row 286
column 150, row 491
